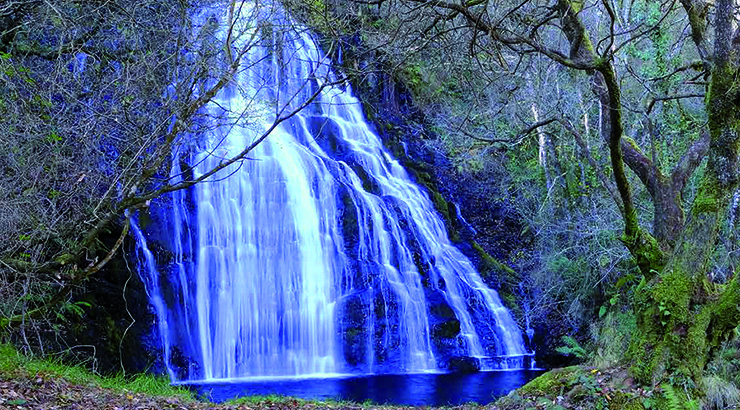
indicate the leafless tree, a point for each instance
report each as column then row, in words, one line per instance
column 97, row 99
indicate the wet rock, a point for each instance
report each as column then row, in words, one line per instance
column 463, row 364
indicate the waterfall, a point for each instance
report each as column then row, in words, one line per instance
column 316, row 255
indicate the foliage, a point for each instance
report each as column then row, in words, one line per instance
column 12, row 362
column 611, row 336
column 678, row 401
column 572, row 348
column 720, row 393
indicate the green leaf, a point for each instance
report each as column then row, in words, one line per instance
column 602, row 311
column 17, row 402
column 624, row 280
column 53, row 137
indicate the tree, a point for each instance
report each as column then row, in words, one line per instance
column 98, row 101
column 682, row 315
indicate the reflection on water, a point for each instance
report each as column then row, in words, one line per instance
column 404, row 389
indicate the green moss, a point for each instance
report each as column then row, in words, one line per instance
column 65, row 259
column 673, row 291
column 665, row 328
column 491, row 265
column 441, row 205
column 646, row 251
column 511, row 302
column 422, row 177
column 632, row 143
column 623, row 401
column 554, row 382
column 494, row 271
column 678, row 324
column 706, row 199
column 726, row 311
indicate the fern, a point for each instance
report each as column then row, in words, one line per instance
column 677, row 403
column 670, row 394
column 572, row 348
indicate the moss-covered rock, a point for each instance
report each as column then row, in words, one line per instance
column 579, row 387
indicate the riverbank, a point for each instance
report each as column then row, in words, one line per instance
column 30, row 384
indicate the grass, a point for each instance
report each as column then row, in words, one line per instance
column 11, row 361
column 275, row 399
column 268, row 399
column 720, row 393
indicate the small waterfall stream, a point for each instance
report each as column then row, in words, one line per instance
column 318, row 254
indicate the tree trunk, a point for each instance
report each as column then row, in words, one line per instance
column 681, row 315
column 668, row 220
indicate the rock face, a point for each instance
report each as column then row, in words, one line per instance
column 116, row 331
column 462, row 364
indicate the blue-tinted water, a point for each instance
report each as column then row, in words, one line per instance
column 405, row 389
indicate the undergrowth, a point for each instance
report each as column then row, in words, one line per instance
column 12, row 362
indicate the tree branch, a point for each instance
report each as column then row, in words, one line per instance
column 587, row 154
column 67, row 288
column 670, row 97
column 690, row 161
column 698, row 12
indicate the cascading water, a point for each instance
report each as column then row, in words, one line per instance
column 319, row 254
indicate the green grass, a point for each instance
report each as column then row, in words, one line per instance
column 274, row 399
column 11, row 361
column 269, row 399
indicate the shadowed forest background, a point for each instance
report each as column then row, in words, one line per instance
column 583, row 153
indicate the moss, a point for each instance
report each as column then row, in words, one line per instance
column 511, row 302
column 441, row 205
column 646, row 251
column 497, row 273
column 679, row 323
column 491, row 265
column 665, row 326
column 422, row 177
column 726, row 311
column 623, row 401
column 632, row 143
column 706, row 199
column 553, row 382
column 65, row 259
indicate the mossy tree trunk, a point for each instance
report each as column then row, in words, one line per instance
column 682, row 316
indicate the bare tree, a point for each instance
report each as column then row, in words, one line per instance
column 97, row 100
